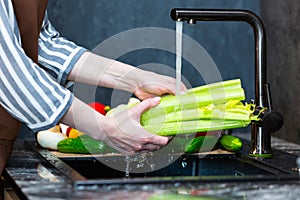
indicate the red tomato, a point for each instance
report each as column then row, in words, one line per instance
column 213, row 133
column 200, row 134
column 99, row 107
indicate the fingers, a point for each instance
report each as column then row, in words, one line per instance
column 146, row 105
column 170, row 86
column 130, row 149
column 163, row 85
column 152, row 145
column 182, row 89
column 144, row 142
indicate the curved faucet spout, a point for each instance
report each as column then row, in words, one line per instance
column 260, row 138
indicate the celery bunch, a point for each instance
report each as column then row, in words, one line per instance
column 216, row 106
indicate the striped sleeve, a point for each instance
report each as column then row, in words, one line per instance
column 27, row 92
column 57, row 55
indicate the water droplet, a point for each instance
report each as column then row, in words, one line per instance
column 152, row 166
column 127, row 175
column 184, row 164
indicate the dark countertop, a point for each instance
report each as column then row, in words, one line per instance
column 35, row 178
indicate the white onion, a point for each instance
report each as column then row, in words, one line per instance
column 49, row 139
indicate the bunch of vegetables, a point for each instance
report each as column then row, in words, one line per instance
column 211, row 107
column 216, row 106
column 78, row 142
column 67, row 139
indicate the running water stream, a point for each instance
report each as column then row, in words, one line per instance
column 179, row 26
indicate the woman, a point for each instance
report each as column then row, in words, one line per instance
column 36, row 67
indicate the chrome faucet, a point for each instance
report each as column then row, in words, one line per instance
column 271, row 120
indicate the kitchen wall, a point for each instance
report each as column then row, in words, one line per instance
column 90, row 22
column 281, row 19
column 229, row 44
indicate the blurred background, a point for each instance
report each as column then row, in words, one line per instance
column 230, row 44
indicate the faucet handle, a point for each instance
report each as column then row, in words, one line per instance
column 271, row 120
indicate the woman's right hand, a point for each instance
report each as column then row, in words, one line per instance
column 124, row 132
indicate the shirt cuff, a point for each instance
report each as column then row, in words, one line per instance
column 57, row 115
column 69, row 65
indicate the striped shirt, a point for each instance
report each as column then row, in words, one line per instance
column 35, row 95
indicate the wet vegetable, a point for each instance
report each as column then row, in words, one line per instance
column 201, row 144
column 216, row 106
column 83, row 144
column 231, row 143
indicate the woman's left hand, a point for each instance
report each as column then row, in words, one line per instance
column 152, row 84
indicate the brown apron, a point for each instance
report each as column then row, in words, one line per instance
column 30, row 15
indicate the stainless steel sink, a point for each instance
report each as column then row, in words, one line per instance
column 90, row 171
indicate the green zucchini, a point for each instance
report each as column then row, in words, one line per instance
column 83, row 144
column 231, row 143
column 201, row 144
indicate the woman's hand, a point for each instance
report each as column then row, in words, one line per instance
column 122, row 131
column 150, row 85
column 125, row 133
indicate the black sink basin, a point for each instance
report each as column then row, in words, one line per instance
column 90, row 171
column 185, row 165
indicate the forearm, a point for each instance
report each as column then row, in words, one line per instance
column 97, row 70
column 85, row 119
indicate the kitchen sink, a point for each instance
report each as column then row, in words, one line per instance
column 91, row 171
column 186, row 165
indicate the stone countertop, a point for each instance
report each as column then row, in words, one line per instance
column 288, row 147
column 35, row 178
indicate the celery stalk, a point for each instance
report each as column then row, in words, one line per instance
column 199, row 114
column 232, row 110
column 171, row 103
column 194, row 126
column 229, row 84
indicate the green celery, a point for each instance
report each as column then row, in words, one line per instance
column 234, row 110
column 209, row 107
column 224, row 85
column 171, row 103
column 194, row 126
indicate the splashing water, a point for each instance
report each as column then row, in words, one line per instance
column 141, row 159
column 127, row 170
